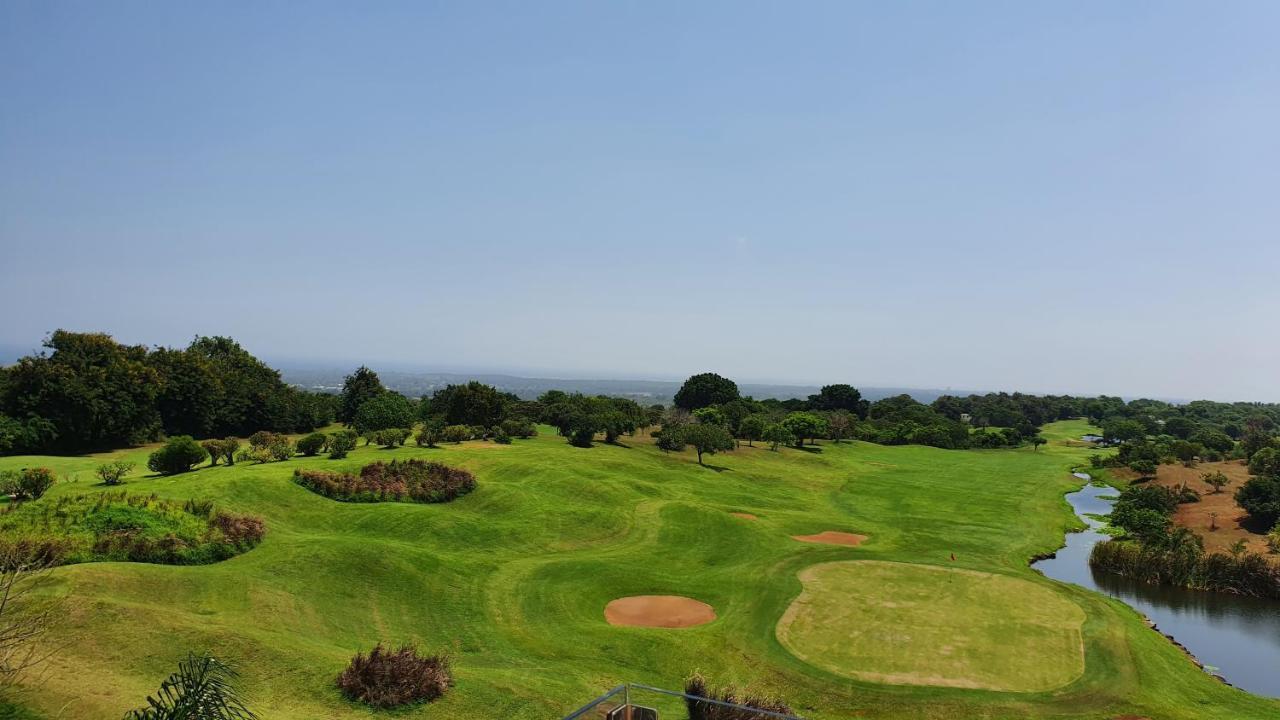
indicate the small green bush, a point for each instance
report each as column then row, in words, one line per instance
column 312, row 444
column 341, row 443
column 178, row 455
column 113, row 473
column 456, row 434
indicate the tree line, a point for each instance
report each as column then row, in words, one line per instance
column 86, row 392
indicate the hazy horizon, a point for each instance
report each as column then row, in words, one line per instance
column 996, row 196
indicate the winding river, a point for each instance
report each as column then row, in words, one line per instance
column 1235, row 637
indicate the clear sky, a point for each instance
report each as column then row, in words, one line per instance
column 1071, row 196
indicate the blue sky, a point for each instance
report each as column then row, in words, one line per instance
column 1070, row 197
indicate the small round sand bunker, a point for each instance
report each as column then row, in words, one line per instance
column 832, row 537
column 660, row 611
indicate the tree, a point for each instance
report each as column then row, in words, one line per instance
column 1037, row 441
column 705, row 389
column 178, row 455
column 671, row 438
column 1179, row 427
column 471, row 404
column 777, row 434
column 839, row 424
column 840, row 397
column 113, row 473
column 1265, row 462
column 707, row 438
column 28, row 610
column 94, row 392
column 1217, row 480
column 202, row 689
column 1123, row 430
column 229, row 447
column 1144, row 467
column 805, row 426
column 357, row 388
column 752, row 428
column 1260, row 497
column 385, row 411
column 710, row 416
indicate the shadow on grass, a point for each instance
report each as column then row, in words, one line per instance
column 810, row 449
column 717, row 468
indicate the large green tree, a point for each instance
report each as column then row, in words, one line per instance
column 705, row 389
column 357, row 388
column 840, row 397
column 386, row 411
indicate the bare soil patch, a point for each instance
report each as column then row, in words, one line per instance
column 1214, row 509
column 744, row 515
column 660, row 611
column 832, row 537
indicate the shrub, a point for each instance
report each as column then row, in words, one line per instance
column 214, row 448
column 428, row 437
column 312, row 444
column 670, row 438
column 582, row 437
column 456, row 434
column 702, row 710
column 500, row 436
column 341, row 443
column 27, row 483
column 408, row 481
column 229, row 447
column 388, row 678
column 265, row 447
column 479, row 432
column 1273, row 539
column 113, row 472
column 118, row 526
column 178, row 455
column 519, row 427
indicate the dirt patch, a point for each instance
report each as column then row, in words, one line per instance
column 832, row 537
column 744, row 516
column 1214, row 509
column 660, row 611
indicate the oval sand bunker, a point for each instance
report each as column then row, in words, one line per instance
column 832, row 537
column 744, row 515
column 661, row 611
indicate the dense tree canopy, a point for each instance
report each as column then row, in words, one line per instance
column 383, row 412
column 471, row 404
column 705, row 389
column 357, row 388
column 840, row 397
column 87, row 391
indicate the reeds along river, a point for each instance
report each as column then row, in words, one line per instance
column 1236, row 637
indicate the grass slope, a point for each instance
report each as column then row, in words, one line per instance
column 514, row 577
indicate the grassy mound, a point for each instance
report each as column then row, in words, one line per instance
column 927, row 625
column 408, row 481
column 118, row 526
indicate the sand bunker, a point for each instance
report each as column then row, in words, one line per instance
column 832, row 537
column 661, row 611
column 744, row 516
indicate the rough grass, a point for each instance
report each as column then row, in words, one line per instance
column 928, row 625
column 514, row 577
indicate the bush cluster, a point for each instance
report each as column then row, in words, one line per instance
column 113, row 473
column 407, row 481
column 266, row 446
column 1187, row 565
column 27, row 483
column 313, row 444
column 387, row 678
column 224, row 449
column 341, row 443
column 118, row 526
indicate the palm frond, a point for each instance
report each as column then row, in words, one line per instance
column 203, row 688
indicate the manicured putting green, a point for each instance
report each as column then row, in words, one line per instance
column 907, row 624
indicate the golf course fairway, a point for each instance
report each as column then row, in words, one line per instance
column 512, row 580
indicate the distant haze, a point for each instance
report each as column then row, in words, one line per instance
column 1070, row 198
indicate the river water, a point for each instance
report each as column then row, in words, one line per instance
column 1235, row 637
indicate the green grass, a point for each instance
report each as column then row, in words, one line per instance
column 913, row 624
column 514, row 577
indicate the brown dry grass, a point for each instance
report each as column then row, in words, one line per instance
column 1200, row 516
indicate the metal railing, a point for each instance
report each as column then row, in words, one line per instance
column 625, row 695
